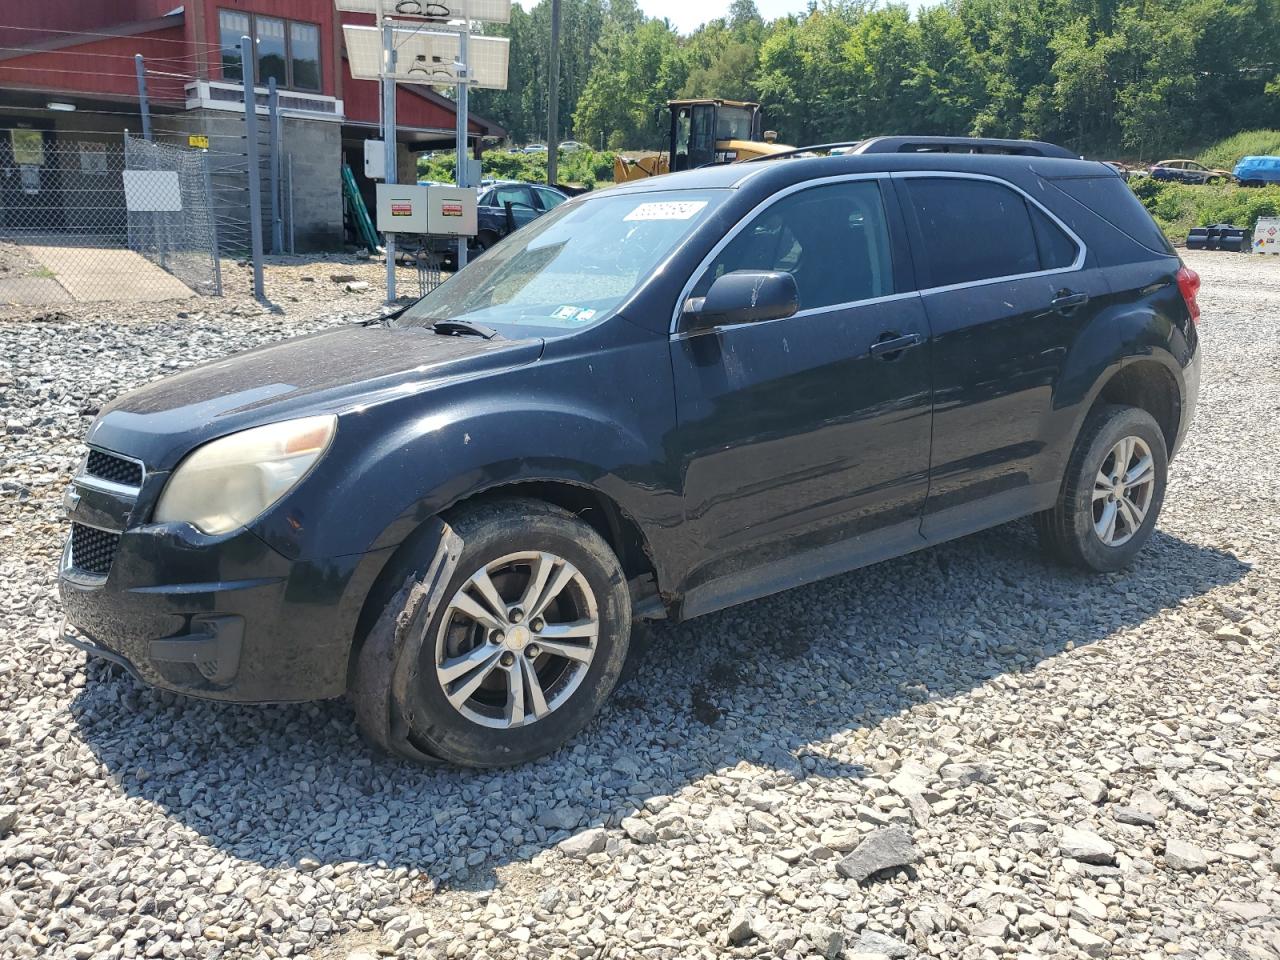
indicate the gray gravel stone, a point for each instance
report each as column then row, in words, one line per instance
column 1086, row 846
column 1180, row 855
column 884, row 849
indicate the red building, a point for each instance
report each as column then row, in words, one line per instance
column 67, row 73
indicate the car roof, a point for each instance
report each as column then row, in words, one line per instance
column 780, row 173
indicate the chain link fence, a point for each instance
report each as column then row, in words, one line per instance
column 93, row 220
column 181, row 238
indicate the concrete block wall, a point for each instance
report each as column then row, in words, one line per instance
column 316, row 148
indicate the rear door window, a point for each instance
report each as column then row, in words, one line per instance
column 833, row 239
column 971, row 230
column 1057, row 250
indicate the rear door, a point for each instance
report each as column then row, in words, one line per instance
column 1007, row 289
column 801, row 433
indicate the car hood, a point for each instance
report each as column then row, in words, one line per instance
column 326, row 372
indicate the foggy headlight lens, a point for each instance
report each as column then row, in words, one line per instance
column 228, row 482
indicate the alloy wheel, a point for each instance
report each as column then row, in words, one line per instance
column 1123, row 490
column 517, row 639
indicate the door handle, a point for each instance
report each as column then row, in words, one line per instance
column 1066, row 300
column 889, row 346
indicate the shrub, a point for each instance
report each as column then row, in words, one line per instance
column 1177, row 207
column 585, row 167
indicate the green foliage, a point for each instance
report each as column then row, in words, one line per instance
column 1177, row 207
column 585, row 167
column 1225, row 154
column 1135, row 78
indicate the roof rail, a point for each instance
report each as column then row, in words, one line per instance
column 901, row 144
column 1020, row 148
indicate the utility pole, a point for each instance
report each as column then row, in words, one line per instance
column 553, row 107
column 464, row 79
column 389, row 141
column 140, row 67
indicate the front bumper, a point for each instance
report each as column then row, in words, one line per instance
column 225, row 619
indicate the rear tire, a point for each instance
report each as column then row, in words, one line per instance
column 489, row 683
column 1097, row 523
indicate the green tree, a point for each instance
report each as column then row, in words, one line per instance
column 633, row 74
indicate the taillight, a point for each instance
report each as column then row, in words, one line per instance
column 1189, row 286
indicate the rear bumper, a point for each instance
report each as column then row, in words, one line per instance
column 282, row 634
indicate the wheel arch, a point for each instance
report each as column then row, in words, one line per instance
column 595, row 507
column 1150, row 385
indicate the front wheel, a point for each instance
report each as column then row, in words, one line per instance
column 525, row 643
column 1112, row 492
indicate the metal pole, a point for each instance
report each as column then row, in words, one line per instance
column 254, row 172
column 140, row 68
column 289, row 171
column 389, row 143
column 464, row 79
column 213, row 225
column 273, row 130
column 553, row 106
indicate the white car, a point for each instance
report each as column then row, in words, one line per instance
column 536, row 148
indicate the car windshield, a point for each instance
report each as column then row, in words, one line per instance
column 570, row 268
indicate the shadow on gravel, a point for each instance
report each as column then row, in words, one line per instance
column 768, row 683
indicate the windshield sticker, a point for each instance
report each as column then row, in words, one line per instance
column 584, row 315
column 666, row 210
column 565, row 313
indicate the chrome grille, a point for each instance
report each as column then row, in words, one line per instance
column 107, row 466
column 92, row 550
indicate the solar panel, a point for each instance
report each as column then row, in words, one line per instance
column 428, row 56
column 491, row 11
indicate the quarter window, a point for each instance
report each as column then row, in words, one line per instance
column 287, row 50
column 972, row 230
column 833, row 239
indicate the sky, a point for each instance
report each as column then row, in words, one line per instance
column 686, row 15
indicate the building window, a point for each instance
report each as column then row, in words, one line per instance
column 286, row 50
column 304, row 55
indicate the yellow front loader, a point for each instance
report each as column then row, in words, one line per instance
column 703, row 132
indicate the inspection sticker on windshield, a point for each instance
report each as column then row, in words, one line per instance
column 666, row 210
column 565, row 313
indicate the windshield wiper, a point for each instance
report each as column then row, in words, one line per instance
column 386, row 317
column 455, row 327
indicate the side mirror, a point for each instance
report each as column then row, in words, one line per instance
column 743, row 296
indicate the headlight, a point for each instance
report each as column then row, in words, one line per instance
column 228, row 482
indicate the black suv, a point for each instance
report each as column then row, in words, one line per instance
column 656, row 401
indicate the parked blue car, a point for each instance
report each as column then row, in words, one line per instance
column 1258, row 171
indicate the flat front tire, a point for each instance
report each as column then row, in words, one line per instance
column 522, row 646
column 1112, row 493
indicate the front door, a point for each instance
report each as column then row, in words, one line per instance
column 799, row 436
column 1007, row 291
column 518, row 199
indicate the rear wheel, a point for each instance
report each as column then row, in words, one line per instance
column 1112, row 493
column 525, row 644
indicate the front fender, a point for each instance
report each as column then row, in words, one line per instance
column 397, row 463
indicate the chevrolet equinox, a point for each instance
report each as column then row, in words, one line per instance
column 656, row 401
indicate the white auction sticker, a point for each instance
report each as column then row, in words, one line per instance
column 666, row 210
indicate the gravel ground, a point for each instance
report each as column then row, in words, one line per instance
column 963, row 753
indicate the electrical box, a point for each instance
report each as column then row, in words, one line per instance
column 375, row 160
column 402, row 208
column 451, row 211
